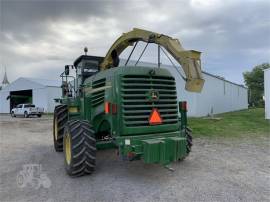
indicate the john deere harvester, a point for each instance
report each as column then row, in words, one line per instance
column 133, row 109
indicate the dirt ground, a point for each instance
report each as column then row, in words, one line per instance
column 216, row 170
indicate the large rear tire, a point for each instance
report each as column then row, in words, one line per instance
column 60, row 119
column 79, row 148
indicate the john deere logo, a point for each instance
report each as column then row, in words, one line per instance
column 153, row 95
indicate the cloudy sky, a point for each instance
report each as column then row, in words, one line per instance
column 39, row 37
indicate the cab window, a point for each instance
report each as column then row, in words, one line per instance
column 28, row 106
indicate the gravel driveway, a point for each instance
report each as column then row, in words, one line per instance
column 217, row 170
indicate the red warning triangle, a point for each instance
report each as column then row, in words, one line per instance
column 155, row 117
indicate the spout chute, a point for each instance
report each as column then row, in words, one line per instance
column 188, row 59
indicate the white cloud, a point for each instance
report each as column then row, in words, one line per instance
column 207, row 5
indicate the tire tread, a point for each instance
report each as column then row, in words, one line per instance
column 83, row 148
column 61, row 113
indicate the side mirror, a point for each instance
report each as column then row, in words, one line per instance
column 66, row 70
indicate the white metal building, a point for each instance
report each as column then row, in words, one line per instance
column 267, row 92
column 218, row 96
column 40, row 92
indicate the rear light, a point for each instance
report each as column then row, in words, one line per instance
column 131, row 156
column 183, row 106
column 110, row 108
column 107, row 107
column 114, row 108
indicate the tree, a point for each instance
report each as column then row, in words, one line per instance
column 254, row 80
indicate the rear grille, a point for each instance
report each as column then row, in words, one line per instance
column 97, row 97
column 137, row 104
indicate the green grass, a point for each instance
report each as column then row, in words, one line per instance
column 250, row 122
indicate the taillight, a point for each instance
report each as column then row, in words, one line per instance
column 110, row 108
column 183, row 106
column 107, row 107
column 131, row 156
column 114, row 108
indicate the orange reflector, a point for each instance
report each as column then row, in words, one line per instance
column 155, row 117
column 107, row 107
